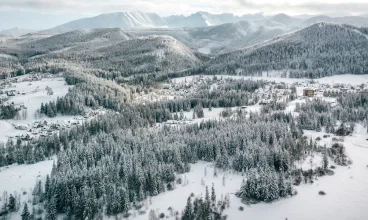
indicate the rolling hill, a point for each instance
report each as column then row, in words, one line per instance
column 316, row 51
column 352, row 20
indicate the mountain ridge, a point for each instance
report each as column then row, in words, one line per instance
column 322, row 49
column 142, row 20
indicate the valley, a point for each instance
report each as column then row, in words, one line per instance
column 133, row 115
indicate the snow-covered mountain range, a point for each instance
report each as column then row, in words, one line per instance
column 138, row 20
column 279, row 42
column 123, row 20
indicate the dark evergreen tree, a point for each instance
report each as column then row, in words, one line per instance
column 25, row 213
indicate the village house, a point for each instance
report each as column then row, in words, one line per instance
column 11, row 93
column 309, row 92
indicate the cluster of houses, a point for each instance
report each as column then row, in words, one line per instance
column 173, row 90
column 273, row 92
column 43, row 128
column 11, row 92
column 182, row 89
column 332, row 91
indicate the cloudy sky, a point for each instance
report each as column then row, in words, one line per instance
column 40, row 14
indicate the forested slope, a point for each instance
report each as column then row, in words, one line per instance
column 317, row 51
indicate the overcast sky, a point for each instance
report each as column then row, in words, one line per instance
column 40, row 14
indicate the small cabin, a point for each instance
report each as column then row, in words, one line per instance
column 166, row 86
column 309, row 92
column 10, row 93
column 265, row 102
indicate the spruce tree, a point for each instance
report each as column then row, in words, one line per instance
column 213, row 194
column 188, row 211
column 51, row 209
column 325, row 160
column 11, row 203
column 152, row 215
column 25, row 213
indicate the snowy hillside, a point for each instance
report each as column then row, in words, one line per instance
column 143, row 55
column 29, row 46
column 110, row 50
column 353, row 20
column 316, row 51
column 233, row 36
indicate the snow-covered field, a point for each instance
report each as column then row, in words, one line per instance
column 344, row 79
column 192, row 183
column 346, row 192
column 22, row 178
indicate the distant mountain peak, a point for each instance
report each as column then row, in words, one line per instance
column 15, row 32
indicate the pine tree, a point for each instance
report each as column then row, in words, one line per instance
column 152, row 215
column 47, row 188
column 42, row 110
column 213, row 194
column 181, row 117
column 325, row 160
column 199, row 111
column 188, row 211
column 207, row 205
column 227, row 200
column 11, row 203
column 51, row 209
column 318, row 128
column 25, row 214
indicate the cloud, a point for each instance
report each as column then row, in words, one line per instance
column 307, row 7
column 354, row 8
column 167, row 7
